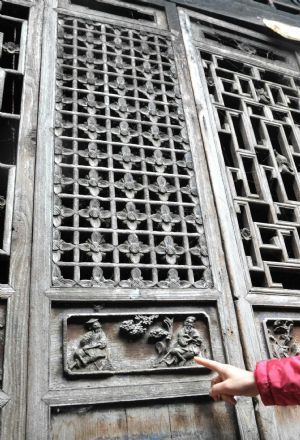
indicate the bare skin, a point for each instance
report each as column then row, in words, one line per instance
column 229, row 382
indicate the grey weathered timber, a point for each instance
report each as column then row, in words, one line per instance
column 163, row 420
column 149, row 212
column 15, row 276
column 244, row 246
column 135, row 231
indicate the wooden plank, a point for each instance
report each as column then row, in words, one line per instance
column 129, row 393
column 203, row 420
column 284, row 301
column 148, row 422
column 84, row 424
column 37, row 411
column 9, row 209
column 15, row 363
column 138, row 295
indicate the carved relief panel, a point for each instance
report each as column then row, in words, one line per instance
column 278, row 328
column 283, row 337
column 279, row 331
column 97, row 344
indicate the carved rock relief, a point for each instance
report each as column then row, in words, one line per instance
column 102, row 344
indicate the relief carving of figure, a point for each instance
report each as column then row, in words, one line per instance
column 188, row 344
column 281, row 339
column 92, row 348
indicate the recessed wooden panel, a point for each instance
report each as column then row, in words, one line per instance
column 283, row 337
column 124, row 343
column 185, row 420
column 279, row 330
column 148, row 343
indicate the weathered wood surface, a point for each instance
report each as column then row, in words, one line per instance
column 177, row 420
column 270, row 422
column 49, row 386
column 16, row 329
column 137, row 402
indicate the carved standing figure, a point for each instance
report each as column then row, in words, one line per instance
column 92, row 347
column 188, row 344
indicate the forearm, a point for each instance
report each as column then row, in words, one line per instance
column 278, row 381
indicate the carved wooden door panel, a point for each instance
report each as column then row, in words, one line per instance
column 129, row 280
column 247, row 91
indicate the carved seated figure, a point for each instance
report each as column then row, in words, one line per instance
column 187, row 346
column 92, row 346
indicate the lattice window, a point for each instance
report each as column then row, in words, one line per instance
column 258, row 115
column 126, row 207
column 13, row 30
column 212, row 31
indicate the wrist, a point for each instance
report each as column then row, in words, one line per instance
column 252, row 389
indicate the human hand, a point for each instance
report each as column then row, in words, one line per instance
column 230, row 381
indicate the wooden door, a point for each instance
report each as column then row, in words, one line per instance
column 20, row 33
column 246, row 88
column 128, row 275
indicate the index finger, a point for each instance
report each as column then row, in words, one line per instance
column 208, row 363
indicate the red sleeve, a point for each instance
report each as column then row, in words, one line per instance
column 278, row 381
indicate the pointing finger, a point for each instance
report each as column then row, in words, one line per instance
column 208, row 363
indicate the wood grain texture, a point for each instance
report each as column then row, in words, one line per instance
column 16, row 339
column 236, row 264
column 37, row 411
column 50, row 390
column 182, row 420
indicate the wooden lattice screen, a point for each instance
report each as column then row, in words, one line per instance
column 149, row 211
